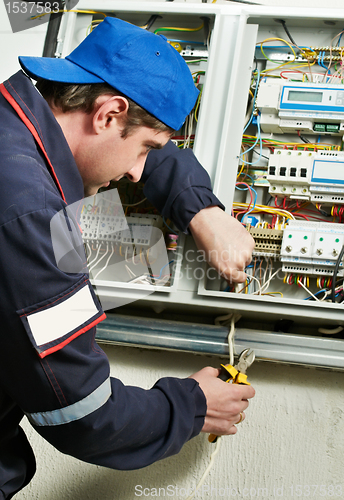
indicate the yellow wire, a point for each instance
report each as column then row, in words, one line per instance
column 91, row 26
column 175, row 28
column 273, row 293
column 275, row 144
column 197, row 105
column 302, row 65
column 264, row 208
column 243, row 161
column 280, row 65
column 64, row 10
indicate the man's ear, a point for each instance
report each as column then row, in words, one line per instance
column 109, row 112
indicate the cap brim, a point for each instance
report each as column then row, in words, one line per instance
column 56, row 70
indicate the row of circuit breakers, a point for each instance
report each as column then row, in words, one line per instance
column 312, row 109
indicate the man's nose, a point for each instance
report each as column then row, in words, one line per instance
column 134, row 175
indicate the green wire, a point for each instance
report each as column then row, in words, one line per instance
column 179, row 29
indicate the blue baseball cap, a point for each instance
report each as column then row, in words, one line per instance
column 138, row 63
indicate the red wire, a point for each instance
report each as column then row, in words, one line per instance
column 285, row 207
column 303, row 216
column 251, row 202
column 289, row 71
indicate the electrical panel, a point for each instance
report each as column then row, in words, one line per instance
column 268, row 127
column 287, row 167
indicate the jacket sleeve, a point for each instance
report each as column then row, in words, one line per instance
column 54, row 371
column 177, row 184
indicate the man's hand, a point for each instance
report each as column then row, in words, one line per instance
column 226, row 244
column 225, row 401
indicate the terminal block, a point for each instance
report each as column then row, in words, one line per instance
column 140, row 229
column 315, row 176
column 268, row 242
column 89, row 225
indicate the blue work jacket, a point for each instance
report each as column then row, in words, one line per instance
column 60, row 379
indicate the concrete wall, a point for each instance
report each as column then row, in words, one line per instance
column 293, row 435
column 290, row 445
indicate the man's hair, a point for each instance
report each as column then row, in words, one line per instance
column 72, row 97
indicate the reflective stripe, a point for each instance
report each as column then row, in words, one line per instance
column 75, row 411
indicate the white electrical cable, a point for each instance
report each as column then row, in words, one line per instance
column 96, row 257
column 99, row 260
column 266, row 284
column 327, row 331
column 107, row 262
column 268, row 266
column 188, row 130
column 229, row 320
column 89, row 250
column 212, row 458
column 230, row 339
column 130, row 272
column 259, row 291
column 308, row 291
column 226, row 320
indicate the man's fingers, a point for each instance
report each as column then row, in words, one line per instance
column 235, row 276
column 223, row 427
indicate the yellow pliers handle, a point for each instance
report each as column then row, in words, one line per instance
column 228, row 374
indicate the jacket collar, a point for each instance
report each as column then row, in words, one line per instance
column 40, row 115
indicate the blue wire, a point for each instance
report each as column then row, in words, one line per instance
column 162, row 269
column 321, row 63
column 320, row 291
column 250, row 176
column 253, row 207
column 254, row 203
column 254, row 100
column 259, row 138
column 164, row 221
column 319, row 58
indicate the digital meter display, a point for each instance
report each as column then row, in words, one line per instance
column 301, row 96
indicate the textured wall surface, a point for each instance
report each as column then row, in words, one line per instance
column 293, row 436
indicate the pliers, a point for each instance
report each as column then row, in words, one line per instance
column 236, row 375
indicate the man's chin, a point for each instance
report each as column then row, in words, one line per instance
column 91, row 191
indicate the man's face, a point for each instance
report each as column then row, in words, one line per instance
column 116, row 157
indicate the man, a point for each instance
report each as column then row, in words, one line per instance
column 53, row 152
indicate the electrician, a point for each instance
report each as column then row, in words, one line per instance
column 119, row 95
